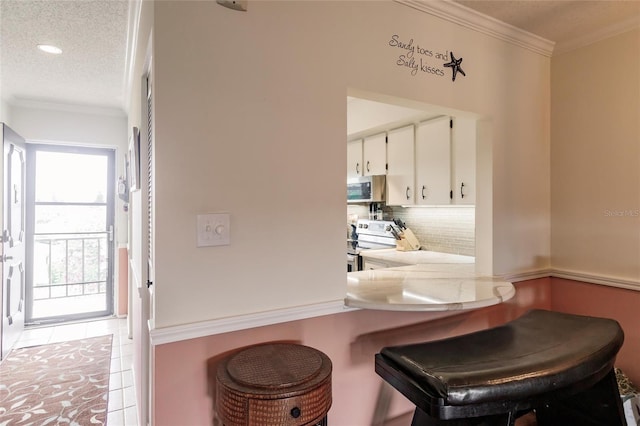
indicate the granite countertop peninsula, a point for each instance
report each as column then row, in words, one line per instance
column 432, row 281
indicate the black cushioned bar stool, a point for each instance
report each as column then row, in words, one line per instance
column 559, row 365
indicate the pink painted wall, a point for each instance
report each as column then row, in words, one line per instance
column 609, row 302
column 123, row 282
column 183, row 394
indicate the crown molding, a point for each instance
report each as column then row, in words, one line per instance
column 594, row 37
column 469, row 18
column 133, row 29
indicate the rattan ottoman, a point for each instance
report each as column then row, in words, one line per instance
column 275, row 384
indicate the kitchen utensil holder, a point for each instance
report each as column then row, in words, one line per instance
column 407, row 241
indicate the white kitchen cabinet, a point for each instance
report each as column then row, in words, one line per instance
column 374, row 151
column 390, row 258
column 464, row 160
column 401, row 167
column 354, row 159
column 433, row 162
column 368, row 264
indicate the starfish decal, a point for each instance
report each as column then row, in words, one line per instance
column 455, row 66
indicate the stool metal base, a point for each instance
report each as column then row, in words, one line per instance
column 422, row 419
column 600, row 405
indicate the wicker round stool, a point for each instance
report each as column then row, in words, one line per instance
column 276, row 384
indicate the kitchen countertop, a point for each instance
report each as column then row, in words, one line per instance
column 415, row 257
column 439, row 282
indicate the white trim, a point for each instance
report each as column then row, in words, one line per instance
column 574, row 276
column 597, row 279
column 599, row 35
column 241, row 322
column 526, row 276
column 469, row 18
column 133, row 274
column 133, row 27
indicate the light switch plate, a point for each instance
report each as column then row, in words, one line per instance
column 213, row 230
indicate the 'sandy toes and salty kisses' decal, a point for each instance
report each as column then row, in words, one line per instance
column 419, row 58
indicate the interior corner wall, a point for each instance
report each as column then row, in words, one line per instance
column 251, row 120
column 595, row 159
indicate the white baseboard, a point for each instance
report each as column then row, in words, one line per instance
column 241, row 322
column 597, row 279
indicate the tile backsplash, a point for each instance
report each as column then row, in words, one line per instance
column 443, row 229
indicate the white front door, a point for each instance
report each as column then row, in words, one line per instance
column 13, row 239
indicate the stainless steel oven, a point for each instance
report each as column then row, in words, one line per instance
column 368, row 235
column 354, row 262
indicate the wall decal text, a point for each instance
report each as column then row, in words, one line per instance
column 418, row 58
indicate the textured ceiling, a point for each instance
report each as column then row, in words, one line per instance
column 565, row 22
column 93, row 37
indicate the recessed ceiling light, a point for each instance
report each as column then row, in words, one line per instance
column 50, row 49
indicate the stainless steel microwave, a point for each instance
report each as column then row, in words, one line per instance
column 366, row 189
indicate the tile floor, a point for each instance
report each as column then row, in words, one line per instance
column 122, row 400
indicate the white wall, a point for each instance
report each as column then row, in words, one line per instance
column 596, row 159
column 251, row 120
column 70, row 124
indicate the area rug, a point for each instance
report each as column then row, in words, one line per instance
column 59, row 383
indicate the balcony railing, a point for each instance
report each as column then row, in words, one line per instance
column 70, row 265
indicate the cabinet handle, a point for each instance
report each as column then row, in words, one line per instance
column 423, row 196
column 461, row 193
column 295, row 412
column 367, row 166
column 407, row 192
column 357, row 168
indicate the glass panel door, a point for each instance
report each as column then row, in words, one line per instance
column 70, row 217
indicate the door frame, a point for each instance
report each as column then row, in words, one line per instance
column 32, row 149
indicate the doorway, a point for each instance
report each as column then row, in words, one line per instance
column 70, row 233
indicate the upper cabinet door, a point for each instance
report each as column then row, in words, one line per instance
column 400, row 158
column 464, row 161
column 375, row 155
column 433, row 162
column 354, row 159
